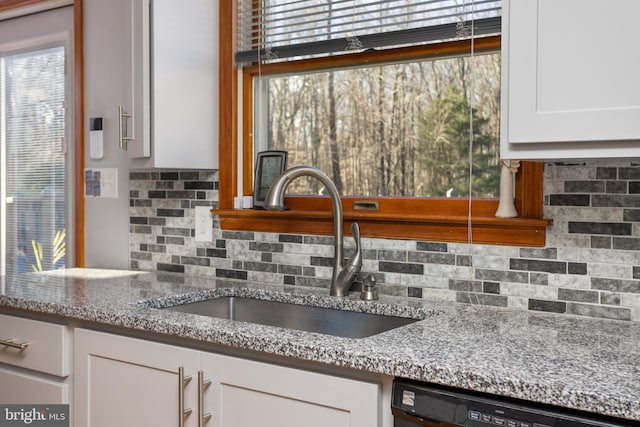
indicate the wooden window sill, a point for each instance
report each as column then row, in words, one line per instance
column 441, row 227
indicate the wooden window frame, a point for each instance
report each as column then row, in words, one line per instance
column 404, row 218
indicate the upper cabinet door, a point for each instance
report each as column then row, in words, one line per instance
column 173, row 83
column 570, row 83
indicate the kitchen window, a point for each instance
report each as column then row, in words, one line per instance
column 35, row 159
column 412, row 193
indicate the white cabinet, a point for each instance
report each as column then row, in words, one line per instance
column 122, row 381
column 35, row 361
column 171, row 69
column 570, row 86
column 248, row 393
column 127, row 381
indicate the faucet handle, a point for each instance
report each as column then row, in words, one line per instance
column 355, row 232
column 356, row 259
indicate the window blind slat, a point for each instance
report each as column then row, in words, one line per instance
column 320, row 27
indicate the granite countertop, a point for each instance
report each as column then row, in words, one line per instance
column 580, row 363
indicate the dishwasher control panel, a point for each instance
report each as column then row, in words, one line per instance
column 421, row 404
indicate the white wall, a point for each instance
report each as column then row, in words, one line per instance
column 106, row 219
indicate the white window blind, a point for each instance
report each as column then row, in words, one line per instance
column 33, row 162
column 276, row 29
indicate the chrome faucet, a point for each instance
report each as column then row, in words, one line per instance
column 343, row 274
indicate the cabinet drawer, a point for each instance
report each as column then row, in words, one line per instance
column 23, row 388
column 48, row 347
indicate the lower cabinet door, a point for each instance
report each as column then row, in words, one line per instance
column 121, row 381
column 248, row 393
column 24, row 388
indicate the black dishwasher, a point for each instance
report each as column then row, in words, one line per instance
column 421, row 404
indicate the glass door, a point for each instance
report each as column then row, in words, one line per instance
column 33, row 160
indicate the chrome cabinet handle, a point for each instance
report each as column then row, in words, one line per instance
column 13, row 344
column 202, row 385
column 123, row 126
column 182, row 382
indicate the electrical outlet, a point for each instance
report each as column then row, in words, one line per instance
column 204, row 228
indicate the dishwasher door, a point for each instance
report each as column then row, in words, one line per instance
column 422, row 404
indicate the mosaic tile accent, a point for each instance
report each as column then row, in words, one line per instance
column 589, row 267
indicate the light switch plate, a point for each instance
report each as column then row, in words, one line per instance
column 204, row 227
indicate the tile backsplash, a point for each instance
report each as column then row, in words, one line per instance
column 590, row 265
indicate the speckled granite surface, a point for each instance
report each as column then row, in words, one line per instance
column 587, row 364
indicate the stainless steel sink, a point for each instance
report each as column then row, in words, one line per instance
column 328, row 321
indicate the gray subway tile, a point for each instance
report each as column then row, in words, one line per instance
column 605, row 228
column 626, row 243
column 414, row 292
column 464, row 260
column 266, row 247
column 216, row 253
column 615, row 285
column 541, row 279
column 318, row 240
column 181, row 194
column 174, row 240
column 191, row 260
column 599, row 311
column 198, row 185
column 174, row 176
column 432, row 258
column 142, row 229
column 634, row 187
column 632, row 215
column 261, row 266
column 139, row 176
column 609, row 298
column 569, row 199
column 481, row 299
column 584, row 186
column 238, row 235
column 601, row 242
column 158, row 221
column 289, row 238
column 266, row 257
column 399, row 267
column 465, row 285
column 606, row 173
column 392, row 255
column 546, row 253
column 579, row 268
column 558, row 267
column 577, row 295
column 502, row 276
column 231, row 274
column 176, row 231
column 615, row 200
column 629, row 173
column 189, row 176
column 636, row 272
column 318, row 261
column 292, row 270
column 173, row 268
column 173, row 213
column 432, row 246
column 616, row 187
column 549, row 306
column 153, row 194
column 491, row 287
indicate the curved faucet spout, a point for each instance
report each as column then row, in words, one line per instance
column 343, row 274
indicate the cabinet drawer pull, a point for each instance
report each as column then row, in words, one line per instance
column 182, row 382
column 13, row 344
column 202, row 385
